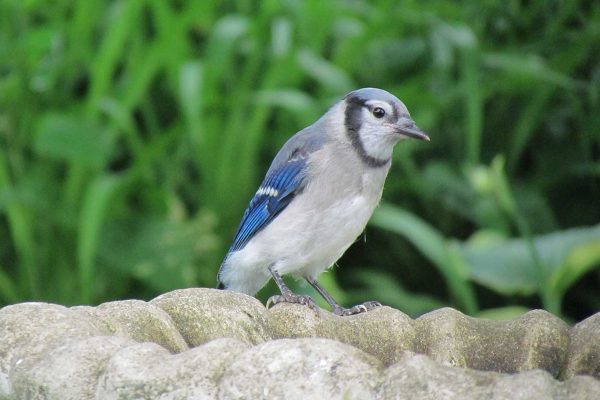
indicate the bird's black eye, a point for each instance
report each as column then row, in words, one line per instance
column 378, row 112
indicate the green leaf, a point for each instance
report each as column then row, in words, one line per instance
column 190, row 94
column 326, row 73
column 292, row 100
column 96, row 204
column 502, row 313
column 8, row 288
column 442, row 254
column 163, row 253
column 21, row 226
column 529, row 68
column 508, row 267
column 423, row 236
column 581, row 259
column 123, row 17
column 73, row 139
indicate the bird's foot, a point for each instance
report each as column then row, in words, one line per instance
column 357, row 309
column 292, row 298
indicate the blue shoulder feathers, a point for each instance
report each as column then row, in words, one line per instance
column 284, row 180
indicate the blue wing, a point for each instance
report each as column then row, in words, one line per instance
column 278, row 189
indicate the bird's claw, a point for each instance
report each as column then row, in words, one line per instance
column 357, row 309
column 292, row 298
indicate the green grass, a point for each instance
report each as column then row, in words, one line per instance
column 133, row 134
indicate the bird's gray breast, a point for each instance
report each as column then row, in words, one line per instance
column 334, row 207
column 337, row 173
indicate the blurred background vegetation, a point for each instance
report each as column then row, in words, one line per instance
column 134, row 132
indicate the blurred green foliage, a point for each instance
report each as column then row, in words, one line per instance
column 134, row 132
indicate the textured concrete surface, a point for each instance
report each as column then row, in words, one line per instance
column 416, row 376
column 383, row 332
column 583, row 357
column 69, row 371
column 141, row 321
column 302, row 369
column 205, row 314
column 210, row 344
column 148, row 371
column 535, row 340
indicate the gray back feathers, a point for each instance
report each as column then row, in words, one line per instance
column 303, row 143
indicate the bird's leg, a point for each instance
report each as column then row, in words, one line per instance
column 336, row 308
column 287, row 296
column 324, row 293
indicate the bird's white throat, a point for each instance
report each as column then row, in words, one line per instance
column 377, row 144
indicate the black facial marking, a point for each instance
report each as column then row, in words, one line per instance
column 353, row 119
column 395, row 111
column 353, row 122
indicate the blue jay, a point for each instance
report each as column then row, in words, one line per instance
column 317, row 197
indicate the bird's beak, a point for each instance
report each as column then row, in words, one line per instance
column 408, row 128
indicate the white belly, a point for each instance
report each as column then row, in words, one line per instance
column 309, row 236
column 316, row 242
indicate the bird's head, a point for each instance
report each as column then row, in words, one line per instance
column 375, row 121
